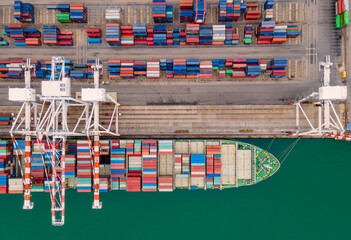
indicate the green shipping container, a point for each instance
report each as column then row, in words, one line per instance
column 247, row 41
column 346, row 18
column 338, row 24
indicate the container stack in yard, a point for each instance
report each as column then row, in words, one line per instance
column 268, row 15
column 3, row 42
column 253, row 13
column 268, row 4
column 113, row 15
column 218, row 34
column 159, row 11
column 78, row 13
column 53, row 36
column 140, row 34
column 169, row 14
column 153, row 69
column 69, row 13
column 278, row 67
column 342, row 12
column 149, row 154
column 190, row 68
column 205, row 36
column 192, row 34
column 186, row 11
column 113, row 34
column 23, row 37
column 84, row 172
column 94, row 35
column 127, row 36
column 229, row 10
column 205, row 69
column 248, row 34
column 270, row 33
column 23, row 12
column 64, row 15
column 160, row 35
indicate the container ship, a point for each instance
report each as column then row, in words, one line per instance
column 142, row 165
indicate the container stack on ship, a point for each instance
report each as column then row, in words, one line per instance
column 149, row 165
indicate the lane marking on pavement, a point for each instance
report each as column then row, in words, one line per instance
column 211, row 14
column 128, row 15
column 304, row 11
column 147, row 15
column 41, row 15
column 135, row 16
column 297, row 11
column 47, row 16
column 141, row 15
column 10, row 15
column 276, row 12
column 53, row 17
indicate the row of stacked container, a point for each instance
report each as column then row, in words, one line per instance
column 5, row 169
column 342, row 12
column 162, row 13
column 70, row 166
column 190, row 68
column 140, row 35
column 23, row 12
column 84, row 166
column 94, row 35
column 23, row 37
column 135, row 165
column 113, row 14
column 149, row 154
column 253, row 13
column 53, row 36
column 72, row 13
column 270, row 33
column 118, row 164
column 229, row 10
column 113, row 34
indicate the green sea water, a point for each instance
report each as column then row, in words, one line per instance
column 308, row 198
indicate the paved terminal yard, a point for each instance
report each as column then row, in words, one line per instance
column 191, row 98
column 202, row 121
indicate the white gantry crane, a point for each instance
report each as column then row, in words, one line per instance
column 27, row 96
column 328, row 120
column 96, row 96
column 51, row 123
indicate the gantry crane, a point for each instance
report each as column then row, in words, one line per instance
column 200, row 18
column 51, row 123
column 324, row 100
column 96, row 96
column 28, row 97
